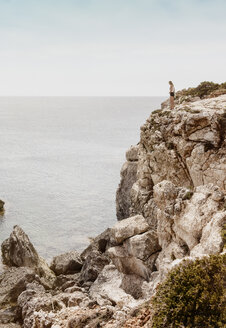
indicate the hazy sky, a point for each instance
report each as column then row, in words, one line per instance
column 110, row 47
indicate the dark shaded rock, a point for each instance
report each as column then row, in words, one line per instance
column 132, row 285
column 128, row 178
column 67, row 263
column 100, row 243
column 64, row 281
column 13, row 282
column 1, row 206
column 93, row 265
column 150, row 262
column 9, row 315
column 18, row 251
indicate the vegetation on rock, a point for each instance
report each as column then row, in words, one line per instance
column 192, row 295
column 204, row 89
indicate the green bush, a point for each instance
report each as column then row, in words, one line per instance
column 205, row 88
column 192, row 295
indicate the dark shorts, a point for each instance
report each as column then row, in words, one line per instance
column 172, row 94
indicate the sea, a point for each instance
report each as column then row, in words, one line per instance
column 60, row 161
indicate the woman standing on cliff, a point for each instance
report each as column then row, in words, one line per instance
column 172, row 94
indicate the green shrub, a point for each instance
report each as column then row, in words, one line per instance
column 192, row 295
column 203, row 89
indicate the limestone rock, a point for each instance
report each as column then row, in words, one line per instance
column 128, row 264
column 143, row 246
column 106, row 289
column 93, row 265
column 128, row 177
column 100, row 243
column 66, row 263
column 12, row 283
column 128, row 228
column 18, row 251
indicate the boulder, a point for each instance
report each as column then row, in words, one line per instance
column 143, row 246
column 18, row 251
column 127, row 228
column 66, row 263
column 128, row 264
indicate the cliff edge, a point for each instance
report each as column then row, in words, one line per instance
column 171, row 203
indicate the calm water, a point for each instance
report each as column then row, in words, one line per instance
column 60, row 160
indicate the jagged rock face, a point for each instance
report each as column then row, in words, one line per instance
column 128, row 177
column 18, row 251
column 180, row 188
column 185, row 146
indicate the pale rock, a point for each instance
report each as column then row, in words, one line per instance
column 211, row 240
column 107, row 289
column 128, row 228
column 143, row 246
column 197, row 214
column 128, row 264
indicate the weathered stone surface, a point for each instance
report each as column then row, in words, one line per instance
column 12, row 283
column 10, row 325
column 9, row 315
column 66, row 263
column 211, row 240
column 93, row 265
column 128, row 228
column 126, row 263
column 132, row 153
column 106, row 289
column 18, row 251
column 128, row 177
column 40, row 307
column 132, row 285
column 143, row 246
column 100, row 243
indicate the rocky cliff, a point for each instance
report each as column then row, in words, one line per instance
column 171, row 203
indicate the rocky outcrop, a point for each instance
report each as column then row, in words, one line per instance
column 128, row 177
column 1, row 206
column 171, row 206
column 18, row 251
column 180, row 189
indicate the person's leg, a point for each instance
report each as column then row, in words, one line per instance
column 171, row 102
